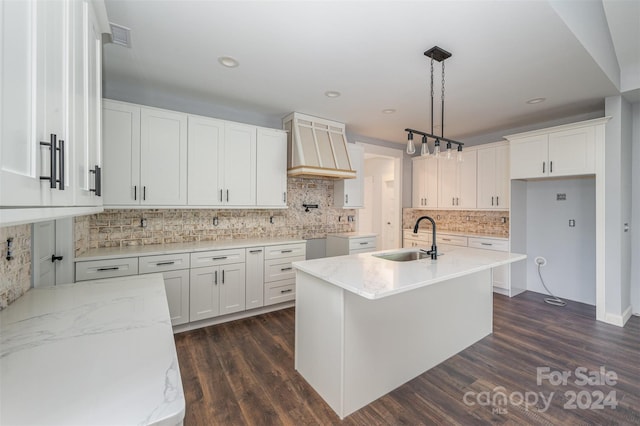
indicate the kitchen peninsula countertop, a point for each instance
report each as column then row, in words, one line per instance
column 374, row 278
column 157, row 249
column 427, row 230
column 99, row 353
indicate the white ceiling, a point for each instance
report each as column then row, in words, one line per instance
column 291, row 53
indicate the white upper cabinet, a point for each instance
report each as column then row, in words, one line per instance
column 425, row 182
column 239, row 164
column 271, row 168
column 493, row 176
column 349, row 193
column 163, row 157
column 457, row 181
column 567, row 150
column 145, row 156
column 50, row 54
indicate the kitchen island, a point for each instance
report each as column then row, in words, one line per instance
column 365, row 325
column 91, row 353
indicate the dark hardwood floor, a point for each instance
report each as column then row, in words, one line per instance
column 242, row 373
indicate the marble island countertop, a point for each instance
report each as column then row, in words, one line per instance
column 374, row 278
column 91, row 353
column 427, row 230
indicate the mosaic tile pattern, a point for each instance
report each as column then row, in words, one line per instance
column 119, row 228
column 466, row 221
column 15, row 274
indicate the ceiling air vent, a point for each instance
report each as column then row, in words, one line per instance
column 317, row 148
column 120, row 35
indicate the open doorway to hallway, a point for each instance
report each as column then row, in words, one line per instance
column 382, row 212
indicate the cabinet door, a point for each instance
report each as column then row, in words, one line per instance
column 254, row 274
column 232, row 288
column 163, row 157
column 206, row 153
column 121, row 136
column 86, row 102
column 419, row 181
column 176, row 285
column 354, row 188
column 502, row 181
column 529, row 157
column 431, row 182
column 204, row 297
column 239, row 165
column 572, row 152
column 271, row 168
column 448, row 183
column 486, row 178
column 467, row 180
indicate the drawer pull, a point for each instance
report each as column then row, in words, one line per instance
column 165, row 263
column 289, row 290
column 286, row 269
column 446, row 239
column 286, row 251
column 486, row 244
column 219, row 258
column 113, row 268
column 255, row 251
column 363, row 244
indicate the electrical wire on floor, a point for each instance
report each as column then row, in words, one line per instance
column 553, row 300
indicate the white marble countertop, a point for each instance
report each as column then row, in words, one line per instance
column 427, row 230
column 352, row 235
column 93, row 353
column 374, row 278
column 155, row 249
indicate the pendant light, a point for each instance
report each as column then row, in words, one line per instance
column 436, row 54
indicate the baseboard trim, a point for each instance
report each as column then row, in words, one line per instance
column 618, row 320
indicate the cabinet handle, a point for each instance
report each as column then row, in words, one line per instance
column 364, row 244
column 486, row 244
column 215, row 277
column 491, row 200
column 346, row 198
column 165, row 263
column 52, row 161
column 543, row 168
column 54, row 258
column 113, row 268
column 286, row 291
column 453, row 201
column 223, row 276
column 550, row 166
column 144, row 193
column 61, row 164
column 255, row 251
column 286, row 251
column 227, row 195
column 221, row 195
column 135, row 192
column 97, row 171
column 219, row 258
column 497, row 200
column 457, row 201
column 286, row 269
column 284, row 197
column 446, row 239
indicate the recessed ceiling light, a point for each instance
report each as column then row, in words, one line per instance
column 536, row 100
column 228, row 61
column 388, row 111
column 331, row 94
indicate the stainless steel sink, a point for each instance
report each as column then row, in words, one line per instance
column 403, row 256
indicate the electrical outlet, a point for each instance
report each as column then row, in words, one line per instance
column 143, row 223
column 503, row 219
column 215, row 221
column 561, row 197
column 572, row 223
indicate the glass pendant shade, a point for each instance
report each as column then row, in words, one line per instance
column 424, row 150
column 411, row 148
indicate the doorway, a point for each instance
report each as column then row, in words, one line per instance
column 52, row 254
column 382, row 211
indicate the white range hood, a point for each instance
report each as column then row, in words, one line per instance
column 317, row 148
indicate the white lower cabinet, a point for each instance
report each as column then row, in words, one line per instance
column 217, row 290
column 232, row 288
column 344, row 244
column 254, row 275
column 176, row 285
column 279, row 274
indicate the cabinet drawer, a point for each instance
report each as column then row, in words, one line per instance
column 96, row 269
column 279, row 291
column 162, row 263
column 422, row 236
column 453, row 240
column 489, row 244
column 362, row 250
column 285, row 250
column 280, row 269
column 362, row 243
column 217, row 257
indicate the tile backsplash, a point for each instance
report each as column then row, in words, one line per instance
column 495, row 223
column 15, row 274
column 119, row 228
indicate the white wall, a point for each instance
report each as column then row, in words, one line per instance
column 570, row 271
column 635, row 220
